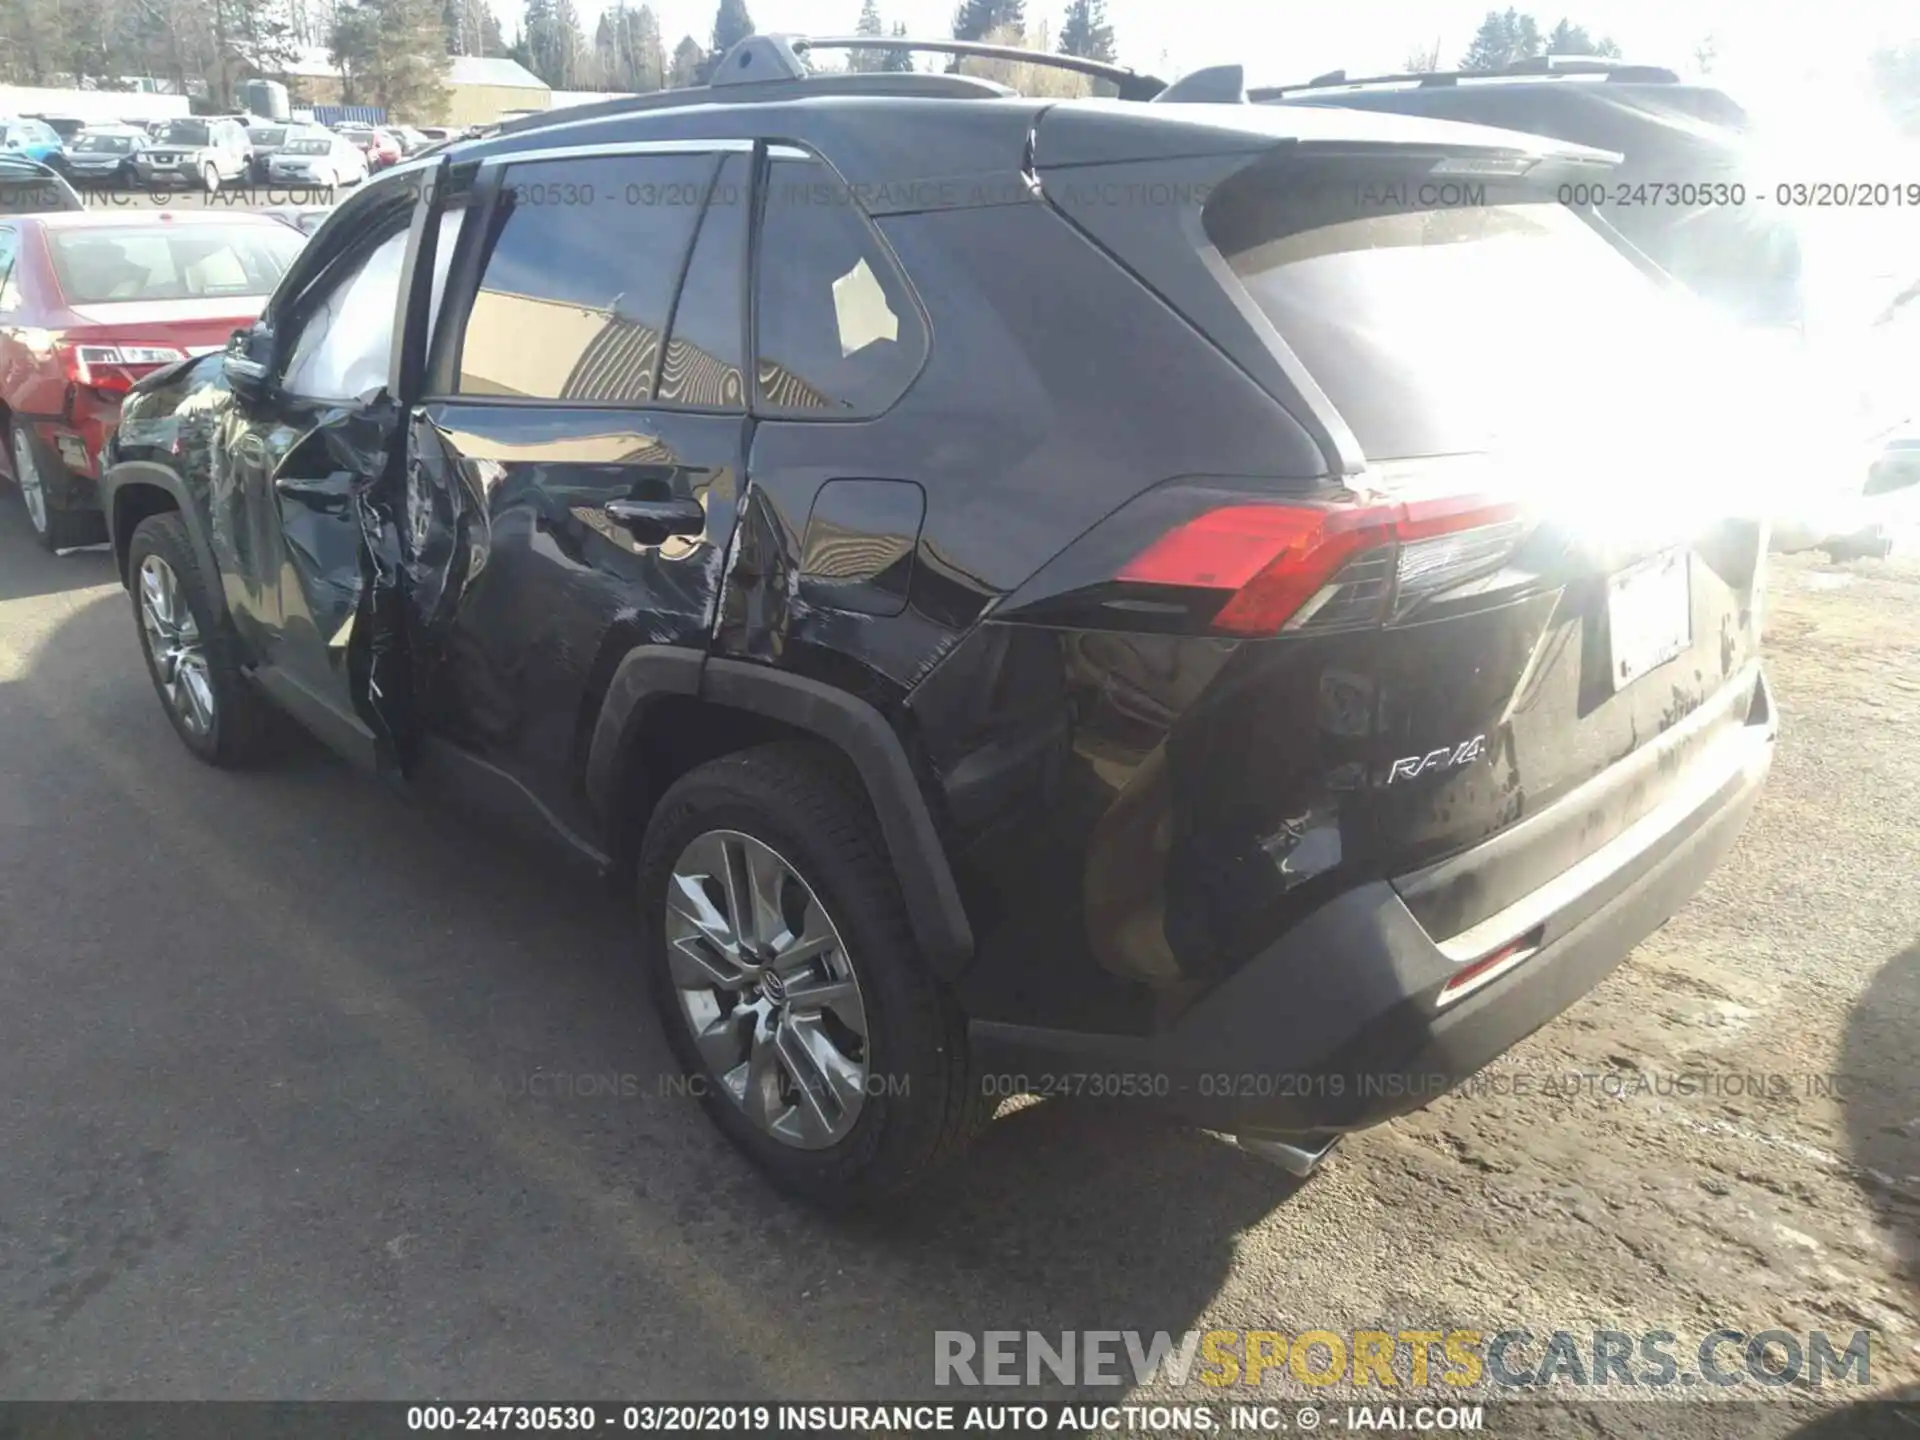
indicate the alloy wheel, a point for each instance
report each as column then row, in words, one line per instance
column 771, row 1001
column 175, row 646
column 26, row 474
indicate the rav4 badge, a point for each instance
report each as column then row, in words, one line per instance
column 1448, row 757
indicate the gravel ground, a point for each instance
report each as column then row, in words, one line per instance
column 272, row 1121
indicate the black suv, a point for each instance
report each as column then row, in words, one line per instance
column 1032, row 596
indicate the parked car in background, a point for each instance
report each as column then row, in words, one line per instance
column 203, row 154
column 266, row 138
column 34, row 139
column 318, row 159
column 65, row 126
column 28, row 187
column 93, row 301
column 410, row 140
column 361, row 135
column 1319, row 661
column 384, row 151
column 437, row 133
column 104, row 156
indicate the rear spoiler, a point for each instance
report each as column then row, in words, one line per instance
column 1102, row 132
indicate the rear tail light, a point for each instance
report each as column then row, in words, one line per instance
column 112, row 368
column 1478, row 974
column 1308, row 567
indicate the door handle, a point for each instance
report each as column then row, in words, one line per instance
column 328, row 493
column 659, row 517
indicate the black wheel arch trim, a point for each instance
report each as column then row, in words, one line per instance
column 853, row 727
column 148, row 472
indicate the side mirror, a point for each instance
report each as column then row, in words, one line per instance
column 246, row 371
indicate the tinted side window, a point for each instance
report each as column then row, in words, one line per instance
column 837, row 332
column 704, row 365
column 573, row 301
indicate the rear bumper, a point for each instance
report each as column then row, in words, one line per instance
column 75, row 443
column 1341, row 1023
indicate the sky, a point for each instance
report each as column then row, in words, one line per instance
column 1284, row 42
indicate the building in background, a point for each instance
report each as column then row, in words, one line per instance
column 480, row 89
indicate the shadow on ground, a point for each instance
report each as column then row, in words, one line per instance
column 1883, row 1134
column 456, row 968
column 28, row 570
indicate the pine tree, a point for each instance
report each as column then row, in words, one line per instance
column 898, row 62
column 1501, row 40
column 649, row 55
column 731, row 25
column 866, row 61
column 627, row 48
column 1086, row 32
column 393, row 53
column 554, row 43
column 686, row 65
column 1570, row 39
column 975, row 19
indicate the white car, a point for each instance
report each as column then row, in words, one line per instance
column 317, row 159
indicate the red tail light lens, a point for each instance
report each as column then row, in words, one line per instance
column 1329, row 566
column 111, row 368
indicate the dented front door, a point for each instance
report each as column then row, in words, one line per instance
column 574, row 470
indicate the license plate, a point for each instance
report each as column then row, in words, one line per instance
column 1649, row 615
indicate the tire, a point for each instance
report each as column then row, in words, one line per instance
column 41, row 479
column 210, row 179
column 918, row 1107
column 238, row 715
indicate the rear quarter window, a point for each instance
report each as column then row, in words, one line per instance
column 838, row 333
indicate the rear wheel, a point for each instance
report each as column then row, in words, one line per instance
column 786, row 975
column 42, row 482
column 191, row 651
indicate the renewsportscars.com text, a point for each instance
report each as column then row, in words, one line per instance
column 1510, row 1360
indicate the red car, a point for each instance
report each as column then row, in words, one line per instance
column 90, row 301
column 380, row 148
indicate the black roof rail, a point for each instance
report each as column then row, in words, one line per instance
column 1131, row 84
column 936, row 87
column 1621, row 71
column 770, row 67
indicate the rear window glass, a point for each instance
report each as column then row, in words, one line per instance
column 308, row 146
column 1446, row 329
column 171, row 262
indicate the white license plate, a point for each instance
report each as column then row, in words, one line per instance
column 1650, row 615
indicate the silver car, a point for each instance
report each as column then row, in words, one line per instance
column 317, row 159
column 200, row 154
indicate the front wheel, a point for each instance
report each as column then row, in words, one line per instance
column 191, row 651
column 785, row 971
column 210, row 180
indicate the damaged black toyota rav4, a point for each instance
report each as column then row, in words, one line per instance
column 1145, row 600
